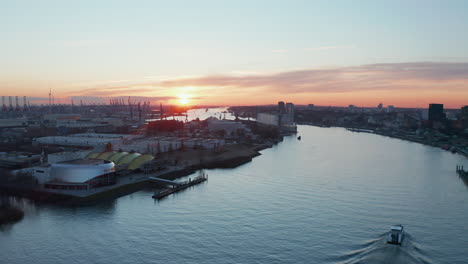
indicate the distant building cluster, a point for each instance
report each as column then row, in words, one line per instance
column 435, row 125
column 283, row 117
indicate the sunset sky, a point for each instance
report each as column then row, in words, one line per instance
column 406, row 53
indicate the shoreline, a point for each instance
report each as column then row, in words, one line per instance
column 237, row 156
column 401, row 137
column 422, row 142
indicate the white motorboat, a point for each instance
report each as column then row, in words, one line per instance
column 395, row 236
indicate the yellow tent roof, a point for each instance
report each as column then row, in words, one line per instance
column 127, row 159
column 105, row 155
column 114, row 158
column 138, row 162
column 93, row 155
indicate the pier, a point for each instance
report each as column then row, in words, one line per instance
column 176, row 186
column 461, row 172
column 165, row 182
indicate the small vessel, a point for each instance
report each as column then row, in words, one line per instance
column 395, row 236
column 299, row 138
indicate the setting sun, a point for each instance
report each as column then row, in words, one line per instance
column 183, row 99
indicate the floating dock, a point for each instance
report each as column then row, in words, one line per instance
column 176, row 186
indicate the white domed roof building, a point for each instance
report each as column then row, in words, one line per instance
column 81, row 174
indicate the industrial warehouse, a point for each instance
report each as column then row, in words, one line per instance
column 135, row 143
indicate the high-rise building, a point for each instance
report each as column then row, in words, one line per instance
column 464, row 112
column 281, row 108
column 380, row 106
column 290, row 108
column 436, row 112
column 464, row 116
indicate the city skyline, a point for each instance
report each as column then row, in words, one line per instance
column 238, row 53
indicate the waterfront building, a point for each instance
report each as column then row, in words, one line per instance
column 284, row 120
column 56, row 118
column 127, row 159
column 290, row 109
column 80, row 174
column 211, row 144
column 58, row 157
column 436, row 112
column 124, row 160
column 268, row 119
column 98, row 142
column 13, row 123
column 114, row 158
column 81, row 170
column 287, row 119
column 15, row 160
column 464, row 112
column 464, row 115
column 228, row 126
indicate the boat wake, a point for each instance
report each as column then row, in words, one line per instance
column 378, row 251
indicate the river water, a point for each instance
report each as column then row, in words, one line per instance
column 204, row 113
column 328, row 198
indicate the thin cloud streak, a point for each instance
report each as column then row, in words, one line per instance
column 374, row 77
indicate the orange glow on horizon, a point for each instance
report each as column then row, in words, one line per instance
column 184, row 99
column 405, row 98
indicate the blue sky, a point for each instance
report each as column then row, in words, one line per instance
column 72, row 45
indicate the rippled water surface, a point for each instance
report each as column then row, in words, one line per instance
column 328, row 198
